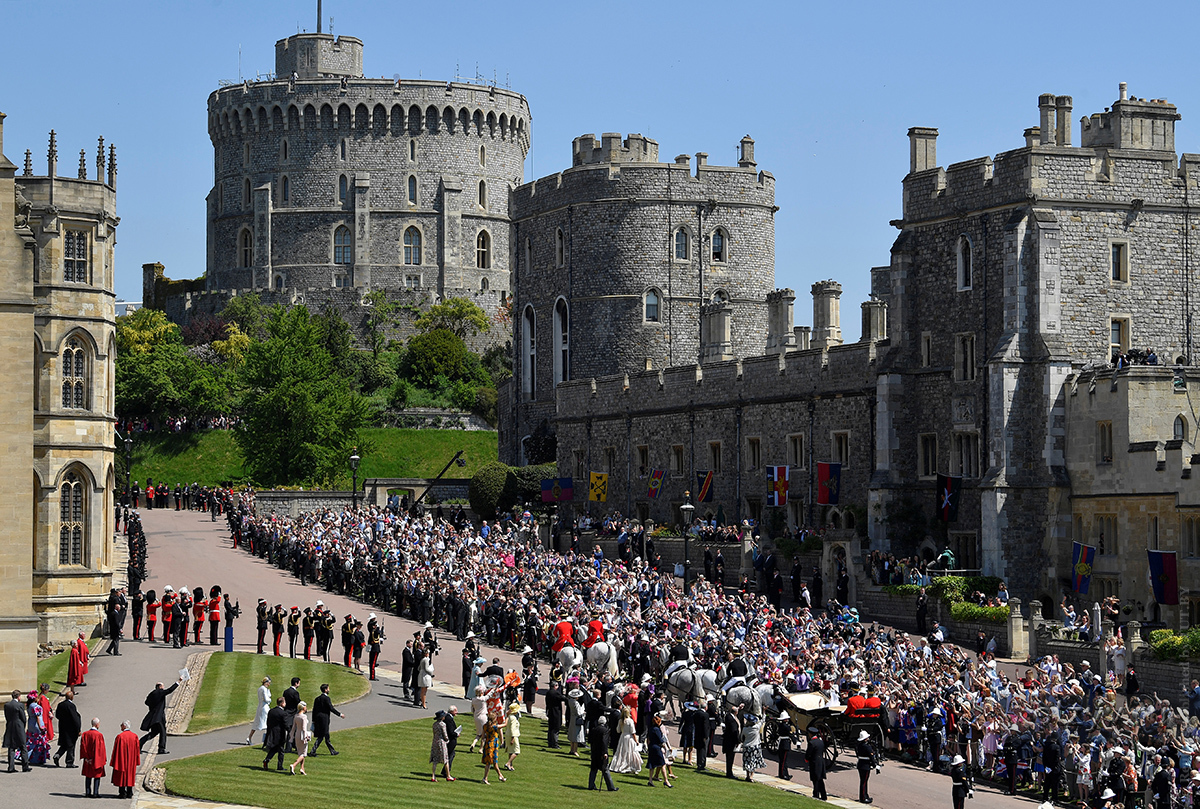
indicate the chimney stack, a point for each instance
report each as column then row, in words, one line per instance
column 1124, row 91
column 1063, row 106
column 1046, row 117
column 827, row 314
column 746, row 161
column 922, row 149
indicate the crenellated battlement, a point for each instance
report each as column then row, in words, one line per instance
column 611, row 149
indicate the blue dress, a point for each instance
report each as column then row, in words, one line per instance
column 655, row 741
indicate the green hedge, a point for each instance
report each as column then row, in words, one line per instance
column 496, row 488
column 951, row 589
column 1170, row 645
column 902, row 589
column 963, row 611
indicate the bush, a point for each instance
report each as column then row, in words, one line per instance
column 487, row 405
column 496, row 488
column 462, row 395
column 399, row 395
column 962, row 611
column 902, row 589
column 1169, row 645
column 948, row 589
column 375, row 375
column 487, row 488
column 433, row 354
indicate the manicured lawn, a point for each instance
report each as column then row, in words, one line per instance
column 387, row 766
column 53, row 669
column 229, row 694
column 212, row 457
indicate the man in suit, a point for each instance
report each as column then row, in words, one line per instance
column 598, row 744
column 69, row 727
column 14, row 730
column 115, row 610
column 407, row 663
column 275, row 739
column 156, row 716
column 815, row 758
column 452, row 731
column 1051, row 763
column 700, row 736
column 291, row 704
column 261, row 612
column 730, row 734
column 322, row 708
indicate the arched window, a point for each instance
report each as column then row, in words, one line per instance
column 720, row 296
column 245, row 248
column 342, row 188
column 412, row 151
column 343, row 150
column 246, row 195
column 560, row 248
column 343, row 252
column 720, row 246
column 412, row 246
column 283, row 149
column 71, row 523
column 965, row 268
column 412, row 190
column 483, row 250
column 562, row 342
column 482, row 156
column 683, row 245
column 653, row 301
column 74, row 375
column 1181, row 428
column 482, row 193
column 528, row 254
column 278, row 282
column 483, row 285
column 286, row 190
column 528, row 357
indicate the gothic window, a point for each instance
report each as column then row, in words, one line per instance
column 965, row 268
column 719, row 246
column 245, row 248
column 343, row 252
column 283, row 149
column 560, row 248
column 562, row 341
column 682, row 245
column 482, row 194
column 528, row 357
column 278, row 282
column 528, row 255
column 412, row 190
column 245, row 195
column 482, row 156
column 412, row 151
column 71, row 525
column 75, row 256
column 483, row 250
column 286, row 190
column 1181, row 428
column 343, row 152
column 652, row 304
column 483, row 285
column 412, row 246
column 74, row 375
column 412, row 281
column 964, row 357
column 342, row 187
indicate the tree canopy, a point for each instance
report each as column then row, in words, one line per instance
column 462, row 317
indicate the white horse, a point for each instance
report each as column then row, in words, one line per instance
column 750, row 699
column 603, row 657
column 687, row 684
column 569, row 657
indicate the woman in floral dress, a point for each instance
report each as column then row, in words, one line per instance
column 37, row 748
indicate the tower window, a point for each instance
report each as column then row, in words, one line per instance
column 562, row 341
column 482, row 194
column 682, row 245
column 286, row 190
column 965, row 268
column 528, row 354
column 1181, row 428
column 483, row 285
column 75, row 256
column 283, row 149
column 412, row 190
column 342, row 188
column 560, row 248
column 343, row 150
column 482, row 155
column 246, row 194
column 483, row 250
column 964, row 357
column 71, row 524
column 245, row 248
column 718, row 246
column 74, row 373
column 652, row 304
column 412, row 246
column 412, row 151
column 343, row 252
column 1120, row 262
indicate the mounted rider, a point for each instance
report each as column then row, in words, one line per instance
column 737, row 671
column 595, row 630
column 681, row 654
column 564, row 633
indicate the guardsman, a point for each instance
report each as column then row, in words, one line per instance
column 308, row 626
column 865, row 754
column 293, row 630
column 329, row 623
column 375, row 638
column 152, row 605
column 199, row 608
column 278, row 619
column 165, row 608
column 214, row 613
column 960, row 781
column 263, row 615
column 348, row 638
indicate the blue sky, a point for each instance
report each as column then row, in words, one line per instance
column 827, row 90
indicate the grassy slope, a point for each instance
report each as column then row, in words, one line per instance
column 229, row 693
column 211, row 457
column 53, row 669
column 387, row 765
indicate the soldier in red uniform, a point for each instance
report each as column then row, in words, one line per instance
column 199, row 607
column 564, row 634
column 595, row 631
column 168, row 601
column 151, row 613
column 214, row 613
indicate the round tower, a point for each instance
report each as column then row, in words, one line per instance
column 324, row 178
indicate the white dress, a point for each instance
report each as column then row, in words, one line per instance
column 264, row 705
column 627, row 759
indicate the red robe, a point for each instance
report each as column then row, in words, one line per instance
column 47, row 716
column 564, row 635
column 126, row 756
column 595, row 633
column 92, row 753
column 77, row 665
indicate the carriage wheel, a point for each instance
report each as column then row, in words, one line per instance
column 831, row 745
column 770, row 734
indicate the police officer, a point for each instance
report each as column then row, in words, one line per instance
column 865, row 754
column 961, row 785
column 1010, row 757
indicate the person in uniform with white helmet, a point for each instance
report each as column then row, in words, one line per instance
column 960, row 781
column 865, row 755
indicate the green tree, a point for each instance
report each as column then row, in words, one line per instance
column 380, row 319
column 139, row 332
column 300, row 421
column 460, row 316
column 248, row 312
column 436, row 353
column 166, row 380
column 335, row 336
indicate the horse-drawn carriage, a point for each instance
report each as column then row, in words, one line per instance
column 812, row 710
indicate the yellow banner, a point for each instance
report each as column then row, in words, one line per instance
column 598, row 490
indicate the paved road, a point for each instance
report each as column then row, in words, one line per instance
column 186, row 549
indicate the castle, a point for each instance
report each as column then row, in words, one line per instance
column 328, row 184
column 1013, row 280
column 57, row 237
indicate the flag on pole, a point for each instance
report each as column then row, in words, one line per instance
column 1082, row 557
column 598, row 490
column 557, row 490
column 829, row 483
column 948, row 489
column 777, row 485
column 704, row 487
column 656, row 482
column 1164, row 576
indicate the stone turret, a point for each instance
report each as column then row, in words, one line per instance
column 780, row 336
column 827, row 314
column 922, row 149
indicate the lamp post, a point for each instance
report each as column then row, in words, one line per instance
column 686, row 510
column 354, row 459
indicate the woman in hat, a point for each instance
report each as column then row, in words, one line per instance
column 512, row 735
column 264, row 705
column 656, row 743
column 424, row 679
column 752, row 757
column 439, row 752
column 301, row 736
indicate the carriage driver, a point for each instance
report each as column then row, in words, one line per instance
column 681, row 655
